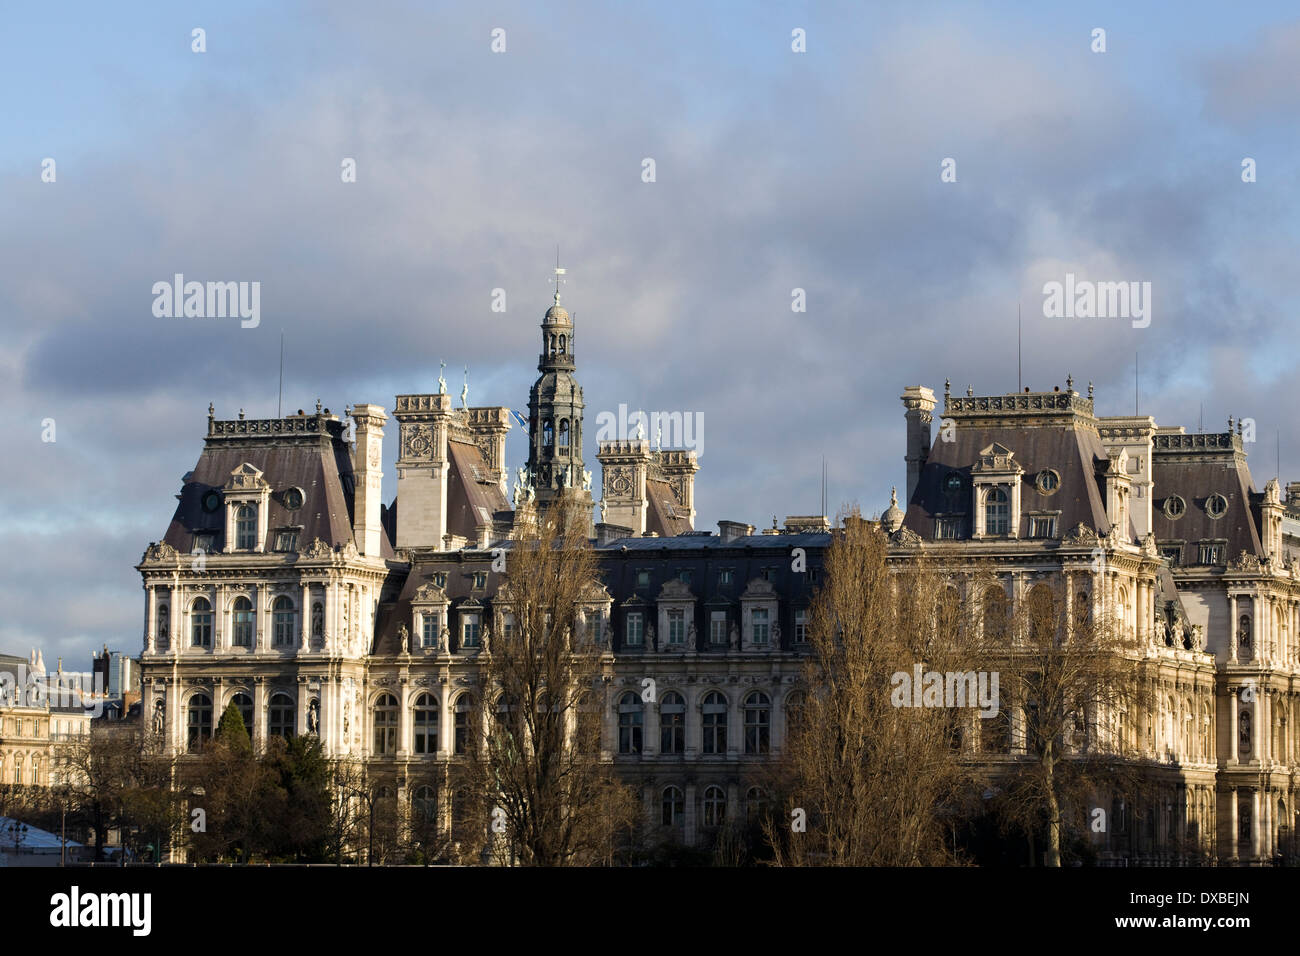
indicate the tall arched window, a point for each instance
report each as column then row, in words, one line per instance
column 200, row 722
column 241, row 635
column 280, row 718
column 246, row 528
column 425, row 724
column 563, row 344
column 564, row 433
column 386, row 724
column 424, row 805
column 460, row 727
column 996, row 608
column 244, row 704
column 548, row 434
column 755, row 804
column 673, row 807
column 630, row 713
column 714, row 712
column 997, row 512
column 758, row 723
column 282, row 615
column 672, row 723
column 201, row 624
column 715, row 806
column 1041, row 607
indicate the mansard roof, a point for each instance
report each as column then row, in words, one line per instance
column 1063, row 439
column 665, row 515
column 1195, row 467
column 473, row 497
column 306, row 452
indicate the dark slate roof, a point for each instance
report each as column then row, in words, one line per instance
column 472, row 495
column 1075, row 451
column 305, row 452
column 1194, row 467
column 686, row 542
column 665, row 515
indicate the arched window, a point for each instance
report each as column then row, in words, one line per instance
column 564, row 433
column 424, row 805
column 246, row 528
column 318, row 622
column 672, row 723
column 244, row 704
column 755, row 804
column 241, row 634
column 280, row 720
column 201, row 623
column 714, row 712
column 386, row 724
column 563, row 344
column 997, row 512
column 996, row 608
column 673, row 807
column 425, row 724
column 1041, row 607
column 200, row 722
column 282, row 617
column 715, row 806
column 460, row 727
column 995, row 733
column 794, row 711
column 548, row 434
column 758, row 721
column 630, row 711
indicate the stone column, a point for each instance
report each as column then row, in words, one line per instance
column 650, row 726
column 1255, row 841
column 1232, row 628
column 259, row 713
column 150, row 617
column 1232, row 725
column 304, row 617
column 1256, row 626
column 219, row 602
column 689, row 836
column 1233, row 824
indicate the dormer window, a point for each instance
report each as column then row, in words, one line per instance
column 246, row 527
column 480, row 580
column 1216, row 506
column 997, row 511
column 286, row 540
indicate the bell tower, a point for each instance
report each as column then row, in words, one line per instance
column 555, row 412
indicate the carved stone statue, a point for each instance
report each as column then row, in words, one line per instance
column 733, row 637
column 159, row 716
column 313, row 716
column 604, row 510
column 442, row 382
column 464, row 390
column 640, row 427
column 405, row 637
column 586, row 480
column 1161, row 638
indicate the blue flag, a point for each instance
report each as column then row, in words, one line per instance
column 523, row 422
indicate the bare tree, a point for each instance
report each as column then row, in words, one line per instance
column 1076, row 681
column 868, row 778
column 551, row 798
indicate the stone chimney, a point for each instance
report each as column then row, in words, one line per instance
column 731, row 530
column 679, row 468
column 367, row 471
column 919, row 402
column 624, row 466
column 422, row 469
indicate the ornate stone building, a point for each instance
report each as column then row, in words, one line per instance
column 284, row 585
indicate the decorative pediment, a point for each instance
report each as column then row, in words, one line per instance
column 429, row 594
column 676, row 590
column 997, row 458
column 596, row 593
column 1149, row 545
column 758, row 589
column 246, row 478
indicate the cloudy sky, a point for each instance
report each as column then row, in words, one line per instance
column 774, row 170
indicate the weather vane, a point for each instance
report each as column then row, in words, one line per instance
column 559, row 275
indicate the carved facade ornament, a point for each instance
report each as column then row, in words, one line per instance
column 905, row 538
column 429, row 594
column 678, row 590
column 1149, row 545
column 1081, row 534
column 317, row 549
column 1245, row 561
column 417, row 442
column 162, row 551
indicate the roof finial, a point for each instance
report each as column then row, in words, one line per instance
column 464, row 390
column 559, row 274
column 970, row 390
column 893, row 496
column 1069, row 383
column 241, row 414
column 1229, row 424
column 947, row 386
column 318, row 406
column 211, row 411
column 1090, row 389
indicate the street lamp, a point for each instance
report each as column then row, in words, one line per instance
column 17, row 831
